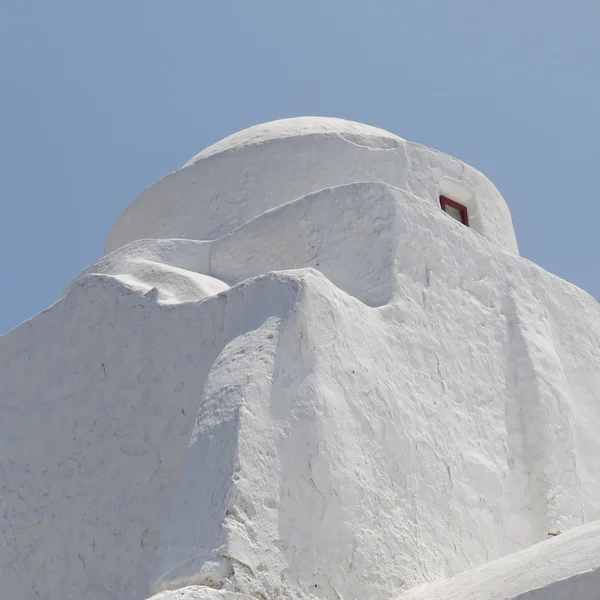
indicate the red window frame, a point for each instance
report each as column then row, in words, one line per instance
column 461, row 208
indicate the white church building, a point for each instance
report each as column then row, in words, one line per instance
column 310, row 364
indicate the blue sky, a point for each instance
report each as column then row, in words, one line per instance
column 100, row 99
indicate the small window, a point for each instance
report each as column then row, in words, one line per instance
column 455, row 210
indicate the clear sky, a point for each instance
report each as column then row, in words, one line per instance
column 98, row 100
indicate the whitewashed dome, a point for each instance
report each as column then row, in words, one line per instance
column 267, row 165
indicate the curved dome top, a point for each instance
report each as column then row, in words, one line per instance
column 266, row 166
column 364, row 135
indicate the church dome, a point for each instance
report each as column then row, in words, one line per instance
column 268, row 165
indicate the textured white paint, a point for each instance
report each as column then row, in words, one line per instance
column 397, row 401
column 268, row 165
column 198, row 592
column 566, row 567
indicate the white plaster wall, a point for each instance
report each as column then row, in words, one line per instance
column 566, row 567
column 285, row 437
